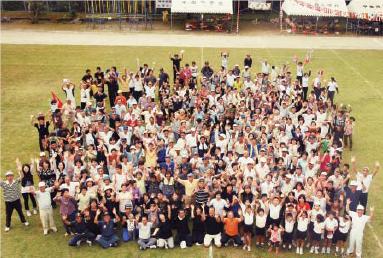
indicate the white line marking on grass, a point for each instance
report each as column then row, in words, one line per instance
column 357, row 73
column 211, row 251
column 375, row 236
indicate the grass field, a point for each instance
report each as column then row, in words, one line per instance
column 30, row 72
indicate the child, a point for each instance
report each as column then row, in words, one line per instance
column 131, row 225
column 248, row 219
column 342, row 233
column 260, row 227
column 317, row 234
column 303, row 222
column 288, row 230
column 331, row 224
column 275, row 237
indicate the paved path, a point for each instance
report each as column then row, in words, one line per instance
column 187, row 40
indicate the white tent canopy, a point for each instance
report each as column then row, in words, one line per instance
column 202, row 6
column 318, row 8
column 366, row 9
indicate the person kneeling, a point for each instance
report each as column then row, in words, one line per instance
column 145, row 240
column 213, row 228
column 81, row 231
column 164, row 233
column 231, row 229
column 108, row 236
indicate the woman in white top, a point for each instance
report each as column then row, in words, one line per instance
column 124, row 197
column 68, row 87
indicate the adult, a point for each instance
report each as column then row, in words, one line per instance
column 11, row 195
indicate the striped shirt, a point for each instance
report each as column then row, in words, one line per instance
column 11, row 191
column 201, row 197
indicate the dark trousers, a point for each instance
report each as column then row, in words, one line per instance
column 9, row 207
column 305, row 90
column 41, row 144
column 81, row 237
column 26, row 201
column 53, row 195
column 330, row 96
column 363, row 199
column 225, row 238
column 184, row 237
column 317, row 92
column 198, row 237
column 137, row 95
column 347, row 139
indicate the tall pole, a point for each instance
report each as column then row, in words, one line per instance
column 238, row 2
column 280, row 16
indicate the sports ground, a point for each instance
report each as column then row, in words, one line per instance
column 30, row 72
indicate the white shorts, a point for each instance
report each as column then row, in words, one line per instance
column 162, row 242
column 208, row 238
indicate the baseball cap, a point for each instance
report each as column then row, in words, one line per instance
column 9, row 173
column 41, row 184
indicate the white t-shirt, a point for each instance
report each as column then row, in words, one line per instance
column 85, row 95
column 302, row 224
column 366, row 181
column 260, row 221
column 44, row 199
column 144, row 230
column 330, row 224
column 289, row 226
column 275, row 211
column 318, row 227
column 344, row 226
column 218, row 205
column 358, row 223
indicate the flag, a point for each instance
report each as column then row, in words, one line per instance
column 59, row 102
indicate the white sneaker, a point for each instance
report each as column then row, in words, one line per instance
column 316, row 250
column 45, row 232
column 235, row 245
column 290, row 247
column 29, row 213
column 248, row 248
column 301, row 251
column 198, row 244
column 89, row 242
column 323, row 250
column 297, row 250
column 26, row 223
column 328, row 250
column 153, row 247
column 7, row 229
column 312, row 249
column 34, row 211
column 244, row 247
column 54, row 229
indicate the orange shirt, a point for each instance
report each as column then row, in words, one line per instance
column 231, row 226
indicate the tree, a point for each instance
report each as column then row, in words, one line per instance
column 36, row 9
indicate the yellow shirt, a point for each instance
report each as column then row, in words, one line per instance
column 189, row 186
column 238, row 85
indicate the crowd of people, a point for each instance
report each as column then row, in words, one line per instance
column 208, row 157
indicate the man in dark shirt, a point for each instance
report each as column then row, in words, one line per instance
column 42, row 127
column 100, row 96
column 81, row 231
column 164, row 77
column 247, row 61
column 213, row 227
column 87, row 76
column 207, row 71
column 99, row 75
column 176, row 60
column 108, row 236
column 181, row 224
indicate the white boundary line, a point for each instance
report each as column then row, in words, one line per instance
column 365, row 80
column 375, row 236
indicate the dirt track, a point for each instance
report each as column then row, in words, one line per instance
column 187, row 40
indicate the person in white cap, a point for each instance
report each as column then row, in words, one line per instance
column 43, row 196
column 358, row 224
column 11, row 195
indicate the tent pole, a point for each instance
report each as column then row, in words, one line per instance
column 238, row 17
column 171, row 20
column 316, row 25
column 280, row 16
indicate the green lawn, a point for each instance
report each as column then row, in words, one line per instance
column 30, row 72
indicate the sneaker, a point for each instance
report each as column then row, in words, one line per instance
column 29, row 213
column 323, row 250
column 298, row 249
column 235, row 245
column 316, row 251
column 54, row 229
column 197, row 244
column 301, row 251
column 89, row 242
column 45, row 232
column 248, row 248
column 153, row 247
column 26, row 223
column 141, row 248
column 78, row 243
column 7, row 229
column 290, row 247
column 166, row 246
column 244, row 247
column 114, row 244
column 66, row 234
column 312, row 250
column 226, row 244
column 283, row 246
column 328, row 250
column 34, row 212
